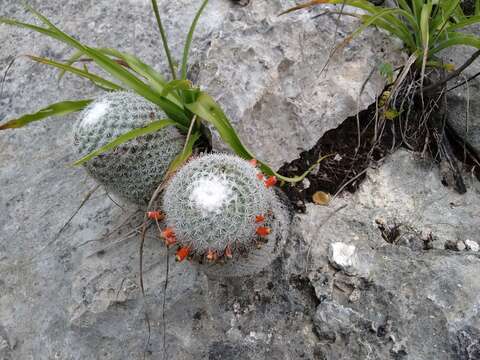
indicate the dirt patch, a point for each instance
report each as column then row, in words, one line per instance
column 358, row 143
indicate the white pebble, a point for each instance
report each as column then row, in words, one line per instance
column 472, row 245
column 343, row 257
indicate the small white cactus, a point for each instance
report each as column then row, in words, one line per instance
column 134, row 169
column 223, row 213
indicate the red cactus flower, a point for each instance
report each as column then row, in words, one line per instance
column 168, row 233
column 263, row 231
column 155, row 215
column 228, row 252
column 259, row 219
column 182, row 253
column 271, row 181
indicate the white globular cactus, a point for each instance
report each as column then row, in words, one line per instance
column 134, row 169
column 222, row 213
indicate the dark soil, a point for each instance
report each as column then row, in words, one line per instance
column 346, row 168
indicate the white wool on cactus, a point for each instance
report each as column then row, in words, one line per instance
column 211, row 195
column 95, row 113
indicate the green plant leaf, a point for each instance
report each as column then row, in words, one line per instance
column 58, row 109
column 425, row 24
column 386, row 21
column 12, row 22
column 472, row 20
column 181, row 158
column 370, row 20
column 75, row 57
column 455, row 39
column 155, row 79
column 176, row 85
column 386, row 70
column 132, row 134
column 304, row 6
column 163, row 35
column 206, row 108
column 391, row 114
column 417, row 9
column 188, row 42
column 299, row 178
column 79, row 72
column 117, row 71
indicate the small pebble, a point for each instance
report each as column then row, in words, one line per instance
column 354, row 296
column 426, row 234
column 472, row 245
column 343, row 257
column 306, row 183
column 460, row 245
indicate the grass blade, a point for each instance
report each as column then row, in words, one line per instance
column 12, row 22
column 455, row 39
column 472, row 20
column 79, row 72
column 176, row 85
column 207, row 109
column 304, row 6
column 388, row 21
column 185, row 154
column 155, row 79
column 75, row 57
column 371, row 20
column 188, row 42
column 132, row 134
column 164, row 39
column 425, row 32
column 117, row 71
column 57, row 109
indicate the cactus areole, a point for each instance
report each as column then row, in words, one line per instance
column 134, row 169
column 217, row 207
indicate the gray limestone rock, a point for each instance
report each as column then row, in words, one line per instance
column 464, row 101
column 409, row 301
column 73, row 292
column 269, row 74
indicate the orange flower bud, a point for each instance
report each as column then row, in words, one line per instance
column 253, row 162
column 228, row 252
column 260, row 176
column 271, row 181
column 263, row 231
column 259, row 218
column 211, row 255
column 169, row 241
column 168, row 233
column 182, row 253
column 155, row 215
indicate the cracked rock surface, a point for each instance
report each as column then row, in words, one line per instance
column 464, row 101
column 73, row 293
